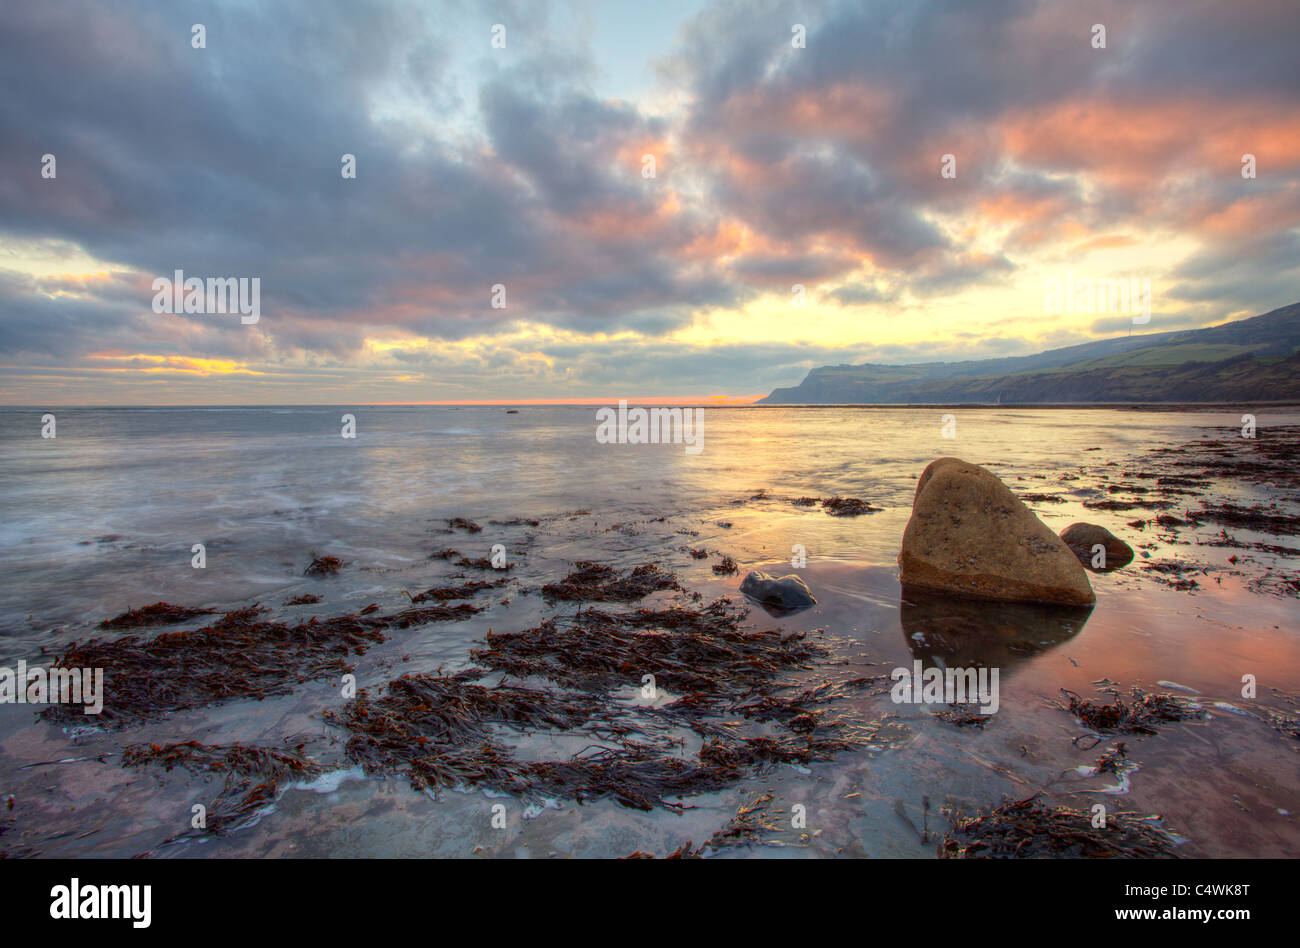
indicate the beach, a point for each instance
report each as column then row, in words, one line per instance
column 789, row 745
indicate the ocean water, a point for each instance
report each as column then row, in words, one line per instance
column 103, row 518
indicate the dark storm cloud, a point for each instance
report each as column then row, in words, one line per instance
column 225, row 161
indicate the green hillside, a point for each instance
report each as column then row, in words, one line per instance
column 1248, row 359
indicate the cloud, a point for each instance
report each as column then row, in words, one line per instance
column 475, row 167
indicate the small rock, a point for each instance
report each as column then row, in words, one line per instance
column 789, row 593
column 1082, row 537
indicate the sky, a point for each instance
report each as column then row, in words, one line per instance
column 516, row 173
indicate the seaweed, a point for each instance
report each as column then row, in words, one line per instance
column 482, row 563
column 436, row 730
column 324, row 566
column 244, row 759
column 745, row 827
column 409, row 617
column 594, row 582
column 237, row 656
column 460, row 523
column 1114, row 504
column 1029, row 828
column 1174, row 573
column 635, row 775
column 725, row 566
column 1255, row 517
column 160, row 613
column 848, row 507
column 445, row 593
column 442, row 731
column 253, row 776
column 1136, row 717
column 307, row 599
column 962, row 716
column 1115, row 761
column 702, row 650
column 745, row 753
column 418, row 714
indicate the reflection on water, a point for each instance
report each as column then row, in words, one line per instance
column 946, row 632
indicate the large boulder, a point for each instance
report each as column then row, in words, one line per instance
column 970, row 536
column 785, row 594
column 1083, row 538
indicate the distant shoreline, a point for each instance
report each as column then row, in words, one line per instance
column 1112, row 406
column 1020, row 406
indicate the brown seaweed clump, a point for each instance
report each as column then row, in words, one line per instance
column 963, row 716
column 445, row 593
column 424, row 716
column 1030, row 829
column 848, row 507
column 253, row 776
column 409, row 617
column 726, row 566
column 687, row 650
column 684, row 851
column 1114, row 761
column 160, row 613
column 460, row 523
column 445, row 731
column 634, row 775
column 482, row 563
column 1263, row 519
column 747, row 753
column 238, row 656
column 594, row 582
column 324, row 566
column 307, row 599
column 438, row 732
column 244, row 759
column 747, row 826
column 1136, row 717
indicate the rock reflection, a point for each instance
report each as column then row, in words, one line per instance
column 965, row 633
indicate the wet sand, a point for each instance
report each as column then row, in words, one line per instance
column 1224, row 783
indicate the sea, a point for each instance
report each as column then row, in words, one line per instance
column 107, row 516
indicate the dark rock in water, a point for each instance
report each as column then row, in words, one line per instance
column 789, row 593
column 1082, row 537
column 969, row 535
